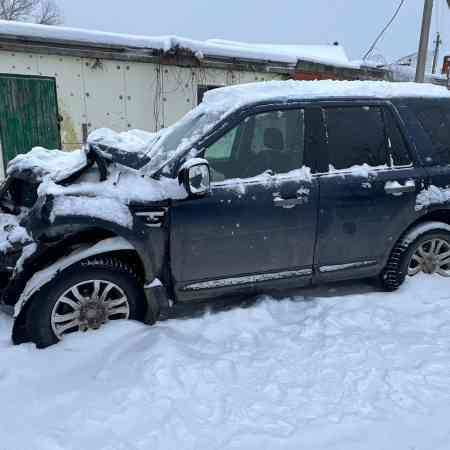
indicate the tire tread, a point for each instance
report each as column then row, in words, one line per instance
column 395, row 271
column 42, row 302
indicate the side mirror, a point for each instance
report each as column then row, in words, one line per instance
column 195, row 176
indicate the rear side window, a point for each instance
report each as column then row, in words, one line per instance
column 355, row 136
column 436, row 122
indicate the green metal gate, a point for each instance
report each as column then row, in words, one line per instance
column 28, row 114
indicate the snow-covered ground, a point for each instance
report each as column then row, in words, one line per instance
column 343, row 367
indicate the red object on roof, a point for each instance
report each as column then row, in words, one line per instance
column 446, row 66
column 311, row 76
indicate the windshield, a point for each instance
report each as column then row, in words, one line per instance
column 175, row 140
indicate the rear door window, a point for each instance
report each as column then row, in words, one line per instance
column 355, row 136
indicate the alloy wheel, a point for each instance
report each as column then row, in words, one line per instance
column 87, row 306
column 430, row 257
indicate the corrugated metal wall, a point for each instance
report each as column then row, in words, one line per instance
column 120, row 95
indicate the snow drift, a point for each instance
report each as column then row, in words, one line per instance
column 343, row 367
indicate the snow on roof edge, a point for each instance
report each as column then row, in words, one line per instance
column 289, row 54
column 242, row 94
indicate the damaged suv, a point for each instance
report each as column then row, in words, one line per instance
column 262, row 187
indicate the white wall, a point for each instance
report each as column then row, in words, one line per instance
column 120, row 95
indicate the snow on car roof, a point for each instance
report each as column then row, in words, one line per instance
column 326, row 54
column 233, row 97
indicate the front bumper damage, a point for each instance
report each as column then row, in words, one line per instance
column 8, row 263
column 14, row 238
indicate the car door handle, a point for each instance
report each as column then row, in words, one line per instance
column 395, row 188
column 287, row 202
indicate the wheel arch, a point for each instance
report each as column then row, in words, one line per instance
column 437, row 215
column 395, row 270
column 432, row 215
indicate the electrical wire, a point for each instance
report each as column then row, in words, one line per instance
column 438, row 15
column 402, row 2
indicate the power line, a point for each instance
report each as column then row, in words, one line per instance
column 438, row 15
column 402, row 2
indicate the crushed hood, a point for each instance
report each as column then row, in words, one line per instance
column 41, row 163
column 129, row 148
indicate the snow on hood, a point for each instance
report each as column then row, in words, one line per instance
column 123, row 184
column 42, row 163
column 132, row 141
column 129, row 148
column 87, row 195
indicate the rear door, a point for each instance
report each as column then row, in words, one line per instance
column 258, row 227
column 28, row 114
column 368, row 188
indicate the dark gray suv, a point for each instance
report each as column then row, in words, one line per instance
column 262, row 187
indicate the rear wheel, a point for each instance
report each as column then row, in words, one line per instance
column 431, row 255
column 85, row 297
column 425, row 249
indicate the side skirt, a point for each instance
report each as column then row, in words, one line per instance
column 246, row 284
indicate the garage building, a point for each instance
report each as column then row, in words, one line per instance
column 56, row 82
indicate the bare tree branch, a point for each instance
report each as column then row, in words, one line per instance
column 48, row 13
column 39, row 11
column 16, row 9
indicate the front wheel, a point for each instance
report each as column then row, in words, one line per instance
column 425, row 249
column 85, row 297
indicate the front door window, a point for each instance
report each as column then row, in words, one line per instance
column 271, row 141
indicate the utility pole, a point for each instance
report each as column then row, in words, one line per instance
column 438, row 43
column 424, row 41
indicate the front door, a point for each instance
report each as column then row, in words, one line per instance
column 28, row 114
column 368, row 189
column 257, row 228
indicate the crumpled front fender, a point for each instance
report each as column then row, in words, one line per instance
column 44, row 276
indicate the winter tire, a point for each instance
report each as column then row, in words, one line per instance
column 426, row 248
column 84, row 297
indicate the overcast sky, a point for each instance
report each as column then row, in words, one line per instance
column 353, row 23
